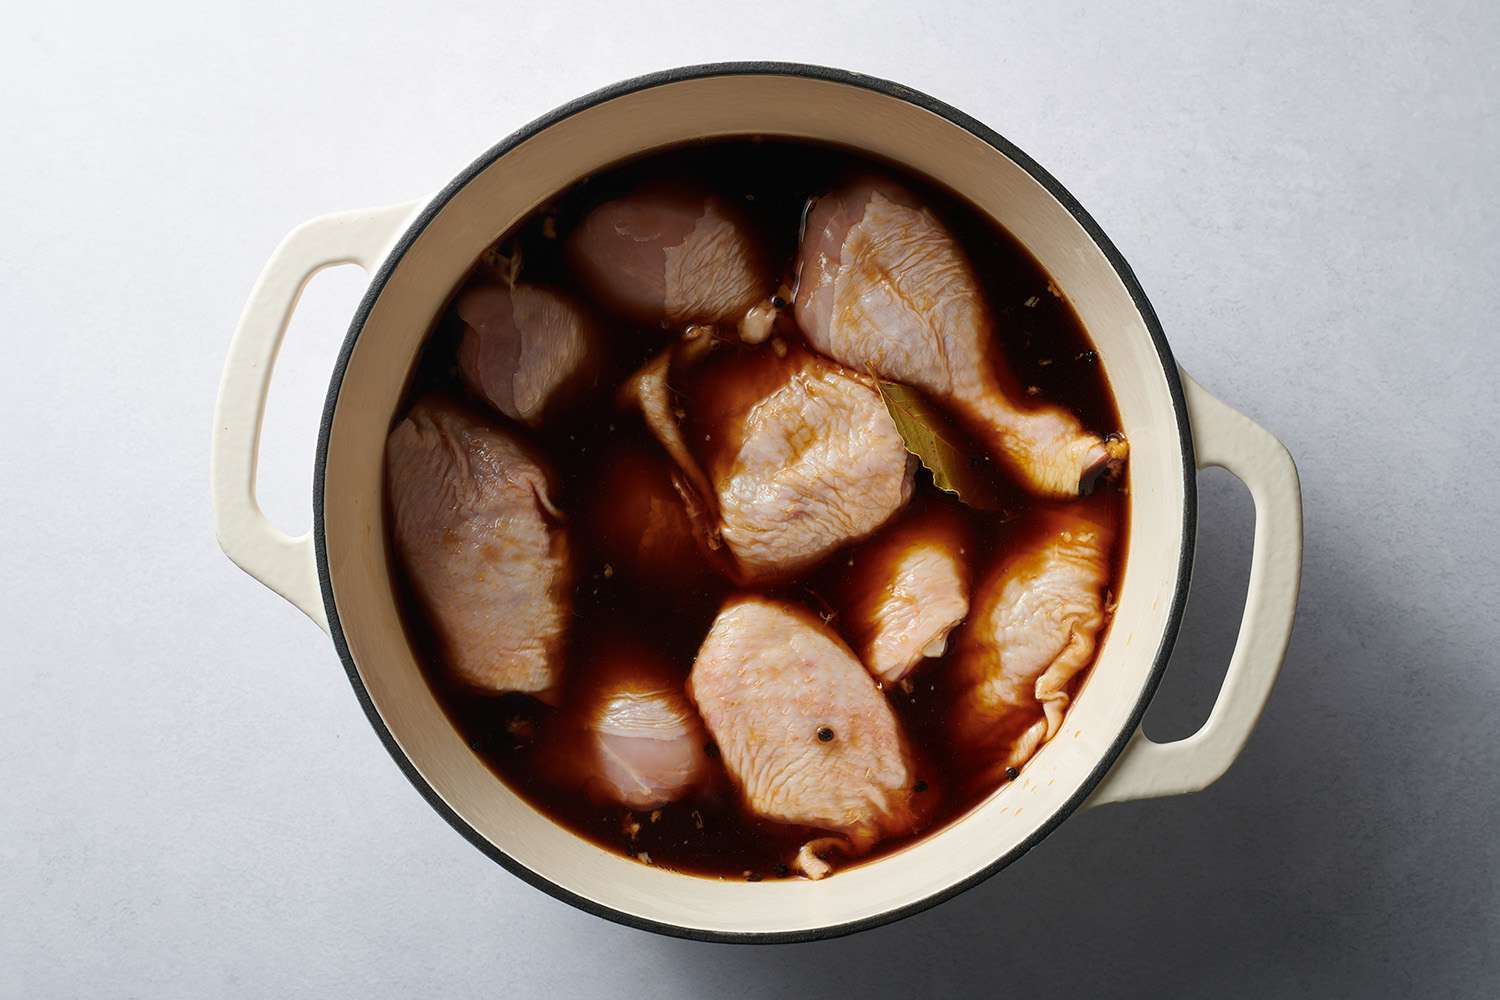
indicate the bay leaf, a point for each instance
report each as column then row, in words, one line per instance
column 924, row 431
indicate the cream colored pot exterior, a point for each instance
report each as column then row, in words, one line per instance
column 418, row 253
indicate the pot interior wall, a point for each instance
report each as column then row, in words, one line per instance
column 550, row 160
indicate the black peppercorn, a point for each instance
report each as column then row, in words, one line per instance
column 1011, row 774
column 825, row 733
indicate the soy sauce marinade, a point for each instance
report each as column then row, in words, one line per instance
column 1043, row 343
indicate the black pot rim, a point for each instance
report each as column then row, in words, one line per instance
column 979, row 130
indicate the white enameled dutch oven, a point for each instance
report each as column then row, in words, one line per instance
column 339, row 574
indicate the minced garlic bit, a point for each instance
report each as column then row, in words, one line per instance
column 757, row 324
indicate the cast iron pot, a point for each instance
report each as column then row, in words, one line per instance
column 339, row 574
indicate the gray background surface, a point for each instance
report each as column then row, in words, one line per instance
column 193, row 804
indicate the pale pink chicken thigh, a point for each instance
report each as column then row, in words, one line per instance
column 798, row 457
column 674, row 257
column 647, row 742
column 883, row 287
column 525, row 349
column 804, row 733
column 814, row 464
column 1035, row 624
column 481, row 539
column 909, row 588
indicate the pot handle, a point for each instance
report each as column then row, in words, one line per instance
column 285, row 564
column 1226, row 438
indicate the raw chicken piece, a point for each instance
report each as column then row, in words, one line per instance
column 883, row 287
column 674, row 257
column 647, row 740
column 477, row 530
column 802, row 456
column 813, row 464
column 1036, row 619
column 525, row 349
column 804, row 733
column 910, row 587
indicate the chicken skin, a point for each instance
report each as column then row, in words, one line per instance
column 646, row 738
column 1035, row 624
column 883, row 287
column 482, row 541
column 804, row 733
column 909, row 587
column 674, row 257
column 525, row 350
column 789, row 457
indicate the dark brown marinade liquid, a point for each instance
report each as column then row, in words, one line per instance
column 712, row 834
